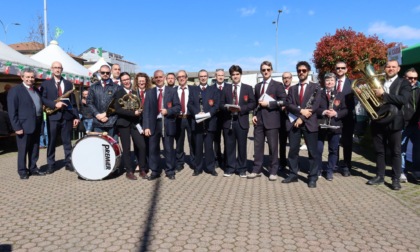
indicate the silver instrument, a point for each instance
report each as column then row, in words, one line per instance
column 327, row 124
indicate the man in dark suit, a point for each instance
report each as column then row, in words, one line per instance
column 160, row 110
column 64, row 119
column 25, row 113
column 219, row 155
column 287, row 78
column 395, row 92
column 343, row 85
column 183, row 122
column 266, row 120
column 302, row 102
column 236, row 121
column 170, row 80
column 204, row 101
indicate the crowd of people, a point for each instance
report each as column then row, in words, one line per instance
column 205, row 114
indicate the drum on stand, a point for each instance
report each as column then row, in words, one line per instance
column 95, row 157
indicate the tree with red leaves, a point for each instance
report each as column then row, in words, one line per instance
column 350, row 47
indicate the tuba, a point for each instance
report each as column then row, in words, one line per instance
column 378, row 111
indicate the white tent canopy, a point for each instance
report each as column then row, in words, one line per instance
column 95, row 67
column 12, row 61
column 53, row 53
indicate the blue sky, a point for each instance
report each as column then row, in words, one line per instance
column 191, row 35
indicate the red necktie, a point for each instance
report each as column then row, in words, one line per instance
column 329, row 95
column 301, row 93
column 142, row 97
column 183, row 101
column 235, row 94
column 203, row 88
column 221, row 87
column 263, row 88
column 104, row 84
column 339, row 86
column 116, row 82
column 60, row 93
column 160, row 100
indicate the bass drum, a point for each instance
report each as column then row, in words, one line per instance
column 95, row 157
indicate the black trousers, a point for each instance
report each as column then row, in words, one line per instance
column 260, row 133
column 64, row 128
column 126, row 134
column 347, row 141
column 28, row 149
column 236, row 139
column 168, row 151
column 183, row 125
column 381, row 139
column 204, row 154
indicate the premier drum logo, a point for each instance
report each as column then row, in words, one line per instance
column 107, row 156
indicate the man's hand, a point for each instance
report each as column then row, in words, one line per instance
column 298, row 123
column 100, row 116
column 254, row 120
column 263, row 103
column 379, row 92
column 330, row 113
column 164, row 112
column 75, row 122
column 19, row 132
column 306, row 112
column 60, row 104
column 104, row 120
column 147, row 132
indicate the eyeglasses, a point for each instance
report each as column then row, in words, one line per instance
column 57, row 68
column 125, row 80
column 286, row 77
column 412, row 78
column 302, row 70
column 265, row 70
column 107, row 73
column 203, row 76
column 181, row 76
column 342, row 68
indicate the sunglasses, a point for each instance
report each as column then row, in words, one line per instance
column 107, row 73
column 412, row 78
column 342, row 68
column 265, row 70
column 302, row 70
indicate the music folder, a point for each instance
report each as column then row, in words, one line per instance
column 67, row 102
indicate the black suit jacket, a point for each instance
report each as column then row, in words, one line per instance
column 21, row 108
column 171, row 104
column 398, row 99
column 270, row 116
column 349, row 100
column 294, row 107
column 50, row 94
column 211, row 103
column 339, row 105
column 246, row 102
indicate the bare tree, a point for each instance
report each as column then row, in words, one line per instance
column 36, row 32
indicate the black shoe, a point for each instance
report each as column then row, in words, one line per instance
column 312, row 184
column 180, row 168
column 345, row 172
column 70, row 168
column 37, row 173
column 213, row 173
column 23, row 176
column 396, row 184
column 196, row 173
column 290, row 179
column 50, row 170
column 171, row 177
column 153, row 177
column 378, row 180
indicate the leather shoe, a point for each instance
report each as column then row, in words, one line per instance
column 312, row 184
column 213, row 173
column 290, row 179
column 23, row 176
column 50, row 170
column 396, row 184
column 180, row 168
column 196, row 173
column 37, row 173
column 143, row 175
column 70, row 168
column 153, row 177
column 376, row 181
column 345, row 172
column 130, row 176
column 171, row 177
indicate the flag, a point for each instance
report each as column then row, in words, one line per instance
column 99, row 51
column 58, row 32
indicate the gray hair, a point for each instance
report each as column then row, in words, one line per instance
column 329, row 75
column 28, row 70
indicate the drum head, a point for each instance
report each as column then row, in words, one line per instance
column 93, row 158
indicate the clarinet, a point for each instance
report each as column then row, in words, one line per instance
column 311, row 100
column 327, row 124
column 233, row 113
column 200, row 100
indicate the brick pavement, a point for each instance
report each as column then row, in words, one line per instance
column 60, row 212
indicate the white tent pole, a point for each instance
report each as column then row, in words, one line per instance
column 45, row 24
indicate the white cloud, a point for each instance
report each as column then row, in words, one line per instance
column 256, row 43
column 311, row 13
column 247, row 11
column 291, row 52
column 389, row 31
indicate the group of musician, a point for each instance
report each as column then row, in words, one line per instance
column 205, row 114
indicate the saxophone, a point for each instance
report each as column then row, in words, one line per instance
column 50, row 111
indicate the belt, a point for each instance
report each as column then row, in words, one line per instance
column 183, row 116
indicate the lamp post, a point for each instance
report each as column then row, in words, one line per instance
column 277, row 36
column 5, row 29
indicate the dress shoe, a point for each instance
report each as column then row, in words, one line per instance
column 143, row 175
column 396, row 184
column 180, row 168
column 378, row 180
column 154, row 177
column 130, row 176
column 312, row 184
column 213, row 173
column 23, row 176
column 253, row 175
column 70, row 168
column 345, row 172
column 50, row 170
column 196, row 173
column 37, row 173
column 272, row 177
column 171, row 177
column 227, row 174
column 242, row 175
column 290, row 179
